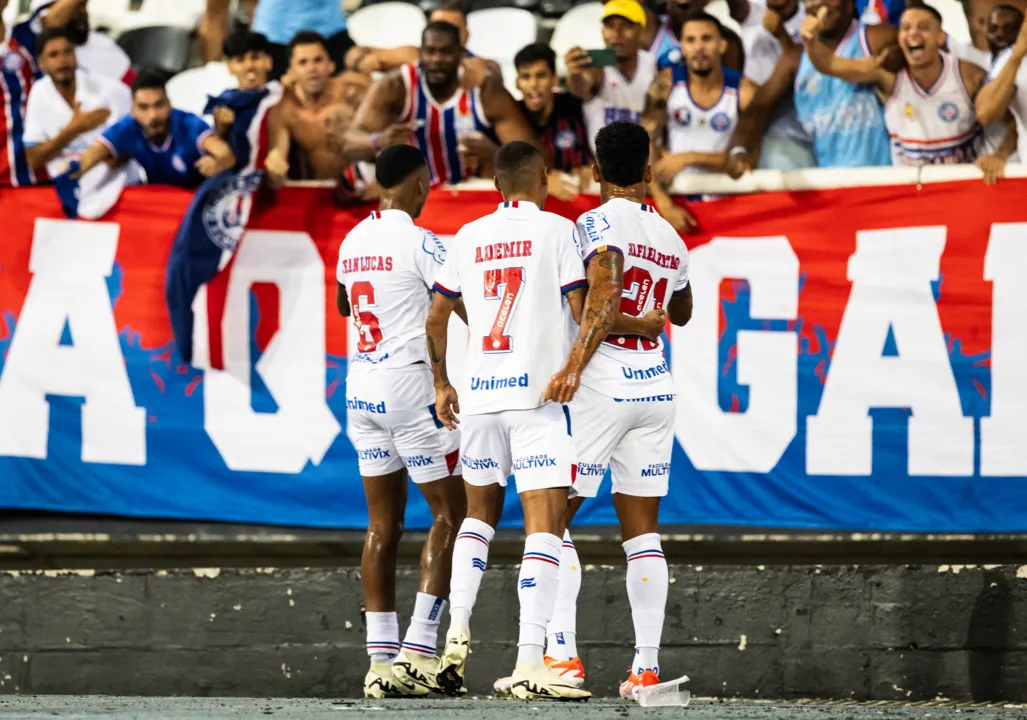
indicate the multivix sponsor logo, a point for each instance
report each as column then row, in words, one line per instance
column 494, row 383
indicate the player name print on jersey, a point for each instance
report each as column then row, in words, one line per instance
column 367, row 263
column 502, row 251
column 673, row 262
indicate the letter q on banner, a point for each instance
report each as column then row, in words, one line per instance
column 292, row 366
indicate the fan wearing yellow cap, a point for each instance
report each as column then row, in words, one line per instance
column 613, row 88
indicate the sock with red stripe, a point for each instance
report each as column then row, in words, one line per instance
column 422, row 636
column 470, row 555
column 382, row 636
column 561, row 640
column 647, row 582
column 536, row 590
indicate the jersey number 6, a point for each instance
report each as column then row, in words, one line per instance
column 369, row 332
column 505, row 285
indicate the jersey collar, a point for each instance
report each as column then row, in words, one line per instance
column 392, row 215
column 518, row 205
column 624, row 202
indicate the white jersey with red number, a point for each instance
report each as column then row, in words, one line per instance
column 388, row 265
column 655, row 268
column 512, row 269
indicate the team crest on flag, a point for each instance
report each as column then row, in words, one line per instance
column 226, row 213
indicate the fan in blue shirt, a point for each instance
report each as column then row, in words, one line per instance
column 172, row 147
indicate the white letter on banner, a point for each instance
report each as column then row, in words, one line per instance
column 1004, row 432
column 891, row 273
column 70, row 264
column 292, row 366
column 767, row 361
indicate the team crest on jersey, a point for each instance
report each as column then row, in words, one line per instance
column 683, row 116
column 178, row 163
column 565, row 139
column 948, row 112
column 434, row 247
column 225, row 216
column 720, row 122
column 13, row 62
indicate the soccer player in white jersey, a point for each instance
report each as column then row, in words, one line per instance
column 512, row 269
column 623, row 411
column 387, row 266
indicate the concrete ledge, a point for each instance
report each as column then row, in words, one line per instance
column 845, row 632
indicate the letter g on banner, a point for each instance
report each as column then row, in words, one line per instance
column 292, row 366
column 755, row 440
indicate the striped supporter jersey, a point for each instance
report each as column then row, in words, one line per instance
column 441, row 124
column 17, row 71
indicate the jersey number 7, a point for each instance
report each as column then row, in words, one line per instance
column 504, row 285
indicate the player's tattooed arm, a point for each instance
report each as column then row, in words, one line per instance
column 649, row 325
column 342, row 300
column 436, row 330
column 605, row 276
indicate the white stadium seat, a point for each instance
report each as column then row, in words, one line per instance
column 109, row 14
column 188, row 90
column 580, row 26
column 953, row 20
column 719, row 10
column 498, row 33
column 387, row 25
column 184, row 14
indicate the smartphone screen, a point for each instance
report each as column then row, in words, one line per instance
column 602, row 58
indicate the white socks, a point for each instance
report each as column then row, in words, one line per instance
column 561, row 638
column 536, row 590
column 422, row 636
column 470, row 556
column 382, row 636
column 647, row 583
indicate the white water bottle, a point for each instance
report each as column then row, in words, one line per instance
column 667, row 694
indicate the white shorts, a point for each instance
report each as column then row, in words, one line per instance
column 390, row 419
column 534, row 444
column 632, row 437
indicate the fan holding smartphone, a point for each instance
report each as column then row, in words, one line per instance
column 612, row 82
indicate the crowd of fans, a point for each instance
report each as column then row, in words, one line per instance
column 828, row 83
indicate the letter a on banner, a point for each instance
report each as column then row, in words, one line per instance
column 70, row 264
column 292, row 366
column 891, row 273
column 755, row 440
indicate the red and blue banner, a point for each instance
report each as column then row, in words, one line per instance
column 857, row 359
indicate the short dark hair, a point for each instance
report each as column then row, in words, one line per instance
column 536, row 52
column 49, row 34
column 703, row 16
column 462, row 6
column 443, row 28
column 516, row 163
column 241, row 42
column 622, row 151
column 396, row 163
column 307, row 37
column 149, row 79
column 917, row 5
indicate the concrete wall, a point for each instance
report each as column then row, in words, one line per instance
column 881, row 632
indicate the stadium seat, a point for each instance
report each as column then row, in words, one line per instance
column 109, row 15
column 551, row 9
column 499, row 33
column 170, row 13
column 189, row 89
column 387, row 25
column 719, row 10
column 582, row 26
column 163, row 47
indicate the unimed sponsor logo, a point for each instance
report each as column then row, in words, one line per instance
column 656, row 470
column 651, row 398
column 531, row 462
column 644, row 374
column 473, row 463
column 374, row 454
column 355, row 404
column 494, row 383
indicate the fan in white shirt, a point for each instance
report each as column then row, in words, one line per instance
column 1006, row 90
column 97, row 53
column 69, row 108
